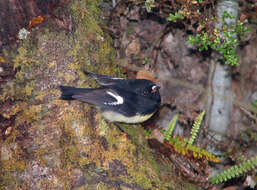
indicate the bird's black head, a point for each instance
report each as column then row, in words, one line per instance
column 152, row 91
column 148, row 89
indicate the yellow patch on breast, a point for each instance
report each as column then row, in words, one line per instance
column 116, row 117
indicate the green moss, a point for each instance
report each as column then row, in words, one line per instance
column 70, row 144
column 123, row 149
column 103, row 126
column 6, row 180
column 70, row 150
column 11, row 161
column 67, row 77
column 102, row 186
column 25, row 63
column 10, row 157
column 96, row 47
column 29, row 114
column 9, row 89
column 41, row 95
column 13, row 165
column 23, row 85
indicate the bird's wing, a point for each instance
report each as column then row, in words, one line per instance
column 100, row 97
column 103, row 80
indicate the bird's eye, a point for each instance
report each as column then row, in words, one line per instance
column 155, row 89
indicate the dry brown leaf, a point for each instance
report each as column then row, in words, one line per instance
column 35, row 21
column 143, row 74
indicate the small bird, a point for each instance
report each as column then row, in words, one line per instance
column 118, row 99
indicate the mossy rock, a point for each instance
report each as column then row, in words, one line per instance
column 57, row 144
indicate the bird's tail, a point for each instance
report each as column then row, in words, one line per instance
column 68, row 92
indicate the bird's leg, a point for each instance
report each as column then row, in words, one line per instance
column 117, row 125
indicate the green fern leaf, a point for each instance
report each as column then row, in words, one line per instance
column 234, row 171
column 196, row 127
column 169, row 130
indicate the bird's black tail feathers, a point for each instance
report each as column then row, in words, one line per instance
column 68, row 92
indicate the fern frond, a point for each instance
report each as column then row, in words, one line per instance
column 234, row 171
column 196, row 127
column 183, row 145
column 190, row 150
column 202, row 153
column 170, row 128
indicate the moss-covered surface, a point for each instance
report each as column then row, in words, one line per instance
column 57, row 144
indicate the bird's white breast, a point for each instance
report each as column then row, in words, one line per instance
column 116, row 117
